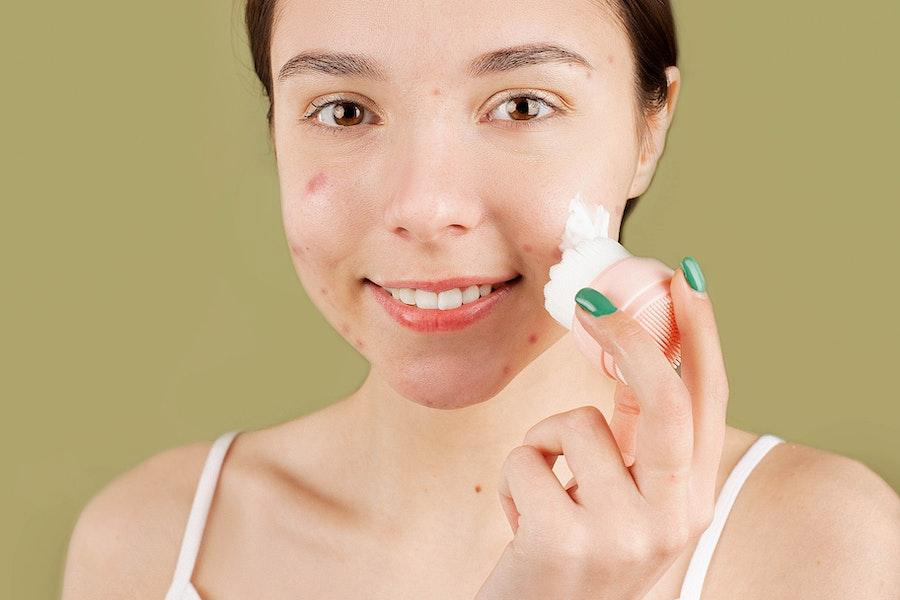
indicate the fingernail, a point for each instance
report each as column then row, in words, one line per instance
column 594, row 302
column 693, row 274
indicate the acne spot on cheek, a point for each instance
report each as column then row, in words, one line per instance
column 324, row 291
column 316, row 182
column 435, row 92
column 527, row 247
column 532, row 338
column 298, row 250
column 506, row 369
column 359, row 343
column 477, row 488
column 609, row 60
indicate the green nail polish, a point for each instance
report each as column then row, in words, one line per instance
column 693, row 274
column 594, row 302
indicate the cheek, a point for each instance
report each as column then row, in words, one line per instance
column 318, row 218
column 316, row 182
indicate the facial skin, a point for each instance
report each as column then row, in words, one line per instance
column 434, row 178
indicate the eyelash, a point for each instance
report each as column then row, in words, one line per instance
column 507, row 96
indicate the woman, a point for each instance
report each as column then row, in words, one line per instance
column 429, row 142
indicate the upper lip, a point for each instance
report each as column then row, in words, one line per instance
column 439, row 285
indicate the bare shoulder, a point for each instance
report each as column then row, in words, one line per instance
column 814, row 523
column 126, row 540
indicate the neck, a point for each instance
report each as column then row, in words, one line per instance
column 422, row 461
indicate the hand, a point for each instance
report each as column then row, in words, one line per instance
column 615, row 532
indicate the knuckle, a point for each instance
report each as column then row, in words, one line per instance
column 586, row 419
column 671, row 540
column 636, row 549
column 518, row 458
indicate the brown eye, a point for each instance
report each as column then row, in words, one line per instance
column 522, row 108
column 347, row 113
column 344, row 114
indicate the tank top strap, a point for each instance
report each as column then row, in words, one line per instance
column 700, row 559
column 196, row 523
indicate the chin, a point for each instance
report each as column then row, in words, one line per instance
column 438, row 383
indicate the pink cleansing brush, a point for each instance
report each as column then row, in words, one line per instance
column 637, row 285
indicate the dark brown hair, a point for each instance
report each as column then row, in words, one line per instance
column 649, row 25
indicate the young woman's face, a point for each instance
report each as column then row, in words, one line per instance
column 431, row 172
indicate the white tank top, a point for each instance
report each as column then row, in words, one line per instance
column 182, row 588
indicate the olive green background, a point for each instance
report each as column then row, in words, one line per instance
column 149, row 299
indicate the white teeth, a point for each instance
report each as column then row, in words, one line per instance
column 445, row 300
column 449, row 299
column 471, row 294
column 426, row 299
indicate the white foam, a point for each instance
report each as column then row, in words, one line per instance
column 586, row 250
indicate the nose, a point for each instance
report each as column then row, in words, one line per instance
column 432, row 199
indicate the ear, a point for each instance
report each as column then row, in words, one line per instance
column 652, row 148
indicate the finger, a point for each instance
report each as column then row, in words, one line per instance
column 529, row 487
column 703, row 373
column 664, row 442
column 583, row 436
column 626, row 413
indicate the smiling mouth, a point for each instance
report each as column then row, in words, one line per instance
column 430, row 312
column 429, row 297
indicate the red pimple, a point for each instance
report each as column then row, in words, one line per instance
column 532, row 338
column 359, row 343
column 316, row 182
column 527, row 247
column 506, row 369
column 435, row 92
column 477, row 488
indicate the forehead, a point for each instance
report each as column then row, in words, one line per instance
column 413, row 39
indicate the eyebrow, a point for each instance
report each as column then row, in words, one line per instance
column 495, row 61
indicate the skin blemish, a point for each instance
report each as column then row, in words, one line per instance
column 506, row 369
column 477, row 488
column 610, row 59
column 324, row 291
column 316, row 182
column 435, row 92
column 359, row 343
column 527, row 247
column 532, row 338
